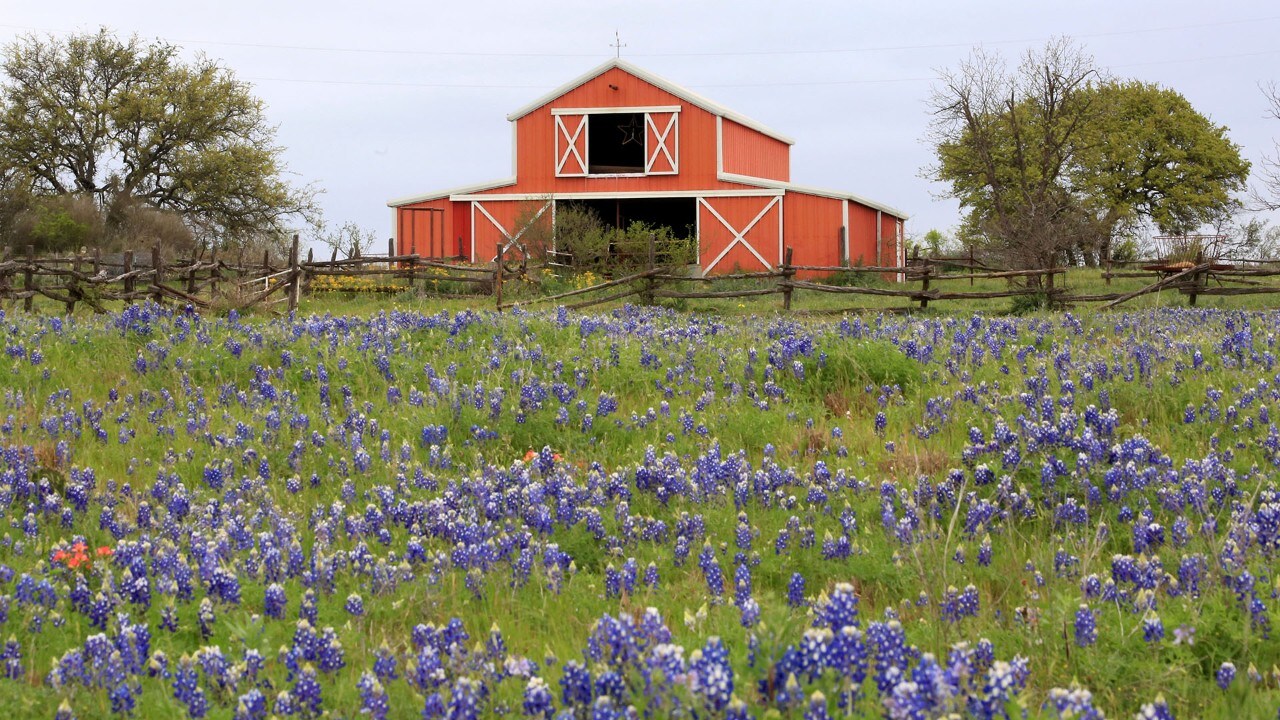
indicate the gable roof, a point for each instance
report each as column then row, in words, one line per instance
column 659, row 82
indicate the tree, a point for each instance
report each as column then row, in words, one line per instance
column 1153, row 157
column 1005, row 140
column 128, row 123
column 1268, row 196
column 350, row 240
column 1054, row 159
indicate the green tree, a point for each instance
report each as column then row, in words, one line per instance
column 1052, row 159
column 1154, row 157
column 126, row 122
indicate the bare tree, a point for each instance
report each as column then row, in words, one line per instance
column 1006, row 139
column 1268, row 196
column 349, row 239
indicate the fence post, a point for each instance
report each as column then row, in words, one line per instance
column 191, row 273
column 1049, row 289
column 295, row 276
column 924, row 277
column 1107, row 261
column 28, row 278
column 391, row 249
column 215, row 273
column 497, row 277
column 972, row 266
column 649, row 282
column 787, row 274
column 413, row 250
column 157, row 277
column 1195, row 280
column 128, row 276
column 73, row 283
column 4, row 274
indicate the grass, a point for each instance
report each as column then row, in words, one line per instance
column 747, row 395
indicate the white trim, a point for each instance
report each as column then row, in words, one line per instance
column 660, row 139
column 739, row 237
column 902, row 253
column 756, row 192
column 659, row 82
column 617, row 110
column 781, row 207
column 571, row 147
column 719, row 146
column 880, row 237
column 473, row 230
column 810, row 190
column 450, row 192
column 697, row 234
column 844, row 222
column 395, row 226
column 515, row 156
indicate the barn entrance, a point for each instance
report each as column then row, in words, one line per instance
column 679, row 214
column 594, row 232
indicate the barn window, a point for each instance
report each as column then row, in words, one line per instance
column 615, row 143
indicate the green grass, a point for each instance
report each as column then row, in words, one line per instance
column 686, row 368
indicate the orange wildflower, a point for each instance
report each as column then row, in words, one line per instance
column 105, row 551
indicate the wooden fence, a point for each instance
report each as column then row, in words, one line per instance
column 232, row 282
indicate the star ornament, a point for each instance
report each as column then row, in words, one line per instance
column 632, row 131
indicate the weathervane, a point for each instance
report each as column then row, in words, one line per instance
column 617, row 44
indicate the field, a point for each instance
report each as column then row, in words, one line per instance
column 398, row 508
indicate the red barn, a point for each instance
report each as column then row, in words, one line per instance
column 634, row 146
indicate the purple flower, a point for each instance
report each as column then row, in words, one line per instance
column 1225, row 675
column 1086, row 627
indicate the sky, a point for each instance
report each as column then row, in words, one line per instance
column 376, row 100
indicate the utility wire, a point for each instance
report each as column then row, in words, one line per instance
column 738, row 53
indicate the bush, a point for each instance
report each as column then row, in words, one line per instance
column 599, row 248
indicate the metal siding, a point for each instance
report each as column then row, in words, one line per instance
column 812, row 229
column 750, row 152
column 425, row 227
column 862, row 235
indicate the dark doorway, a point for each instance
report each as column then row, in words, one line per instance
column 615, row 143
column 679, row 214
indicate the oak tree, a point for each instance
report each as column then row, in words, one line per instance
column 1053, row 158
column 131, row 124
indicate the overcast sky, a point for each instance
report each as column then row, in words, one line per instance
column 376, row 100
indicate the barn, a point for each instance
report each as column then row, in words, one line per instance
column 635, row 146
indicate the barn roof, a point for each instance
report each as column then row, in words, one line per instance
column 660, row 82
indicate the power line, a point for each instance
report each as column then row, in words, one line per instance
column 736, row 53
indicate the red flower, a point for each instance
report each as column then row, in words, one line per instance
column 105, row 551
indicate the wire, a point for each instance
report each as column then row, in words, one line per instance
column 739, row 53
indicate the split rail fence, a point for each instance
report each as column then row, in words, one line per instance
column 232, row 282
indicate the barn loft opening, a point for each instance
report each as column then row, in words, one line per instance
column 615, row 143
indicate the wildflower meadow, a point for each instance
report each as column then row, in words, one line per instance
column 640, row 513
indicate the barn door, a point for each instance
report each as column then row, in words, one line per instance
column 739, row 233
column 662, row 143
column 571, row 145
column 501, row 225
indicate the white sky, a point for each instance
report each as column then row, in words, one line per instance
column 384, row 99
